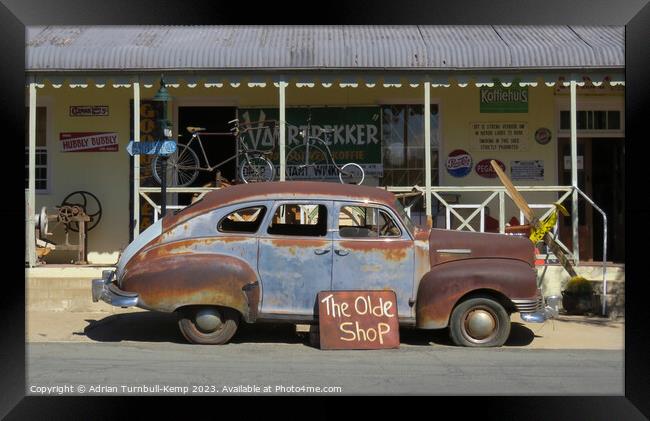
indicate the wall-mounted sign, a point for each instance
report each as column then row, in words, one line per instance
column 356, row 137
column 358, row 319
column 459, row 163
column 567, row 162
column 543, row 136
column 88, row 110
column 485, row 170
column 499, row 99
column 527, row 170
column 89, row 142
column 497, row 136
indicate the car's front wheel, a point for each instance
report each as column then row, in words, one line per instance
column 479, row 322
column 208, row 325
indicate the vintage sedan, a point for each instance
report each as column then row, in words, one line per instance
column 262, row 252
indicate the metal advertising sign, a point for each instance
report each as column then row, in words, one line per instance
column 358, row 319
column 88, row 110
column 499, row 136
column 89, row 142
column 499, row 99
column 356, row 134
column 459, row 163
column 158, row 147
column 485, row 169
column 527, row 170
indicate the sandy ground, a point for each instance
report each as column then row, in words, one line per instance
column 565, row 332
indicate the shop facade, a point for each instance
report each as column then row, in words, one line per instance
column 423, row 127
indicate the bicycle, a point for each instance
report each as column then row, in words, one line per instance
column 310, row 154
column 185, row 165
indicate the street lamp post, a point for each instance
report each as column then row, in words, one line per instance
column 166, row 130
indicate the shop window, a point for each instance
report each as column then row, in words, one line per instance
column 42, row 160
column 299, row 219
column 592, row 120
column 243, row 220
column 403, row 145
column 366, row 222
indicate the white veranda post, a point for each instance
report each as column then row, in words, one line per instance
column 427, row 151
column 283, row 158
column 574, row 172
column 31, row 195
column 136, row 159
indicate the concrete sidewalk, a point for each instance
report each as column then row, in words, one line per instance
column 135, row 325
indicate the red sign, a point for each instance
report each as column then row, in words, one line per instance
column 88, row 110
column 358, row 319
column 89, row 142
column 484, row 168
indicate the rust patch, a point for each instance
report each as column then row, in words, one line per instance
column 168, row 282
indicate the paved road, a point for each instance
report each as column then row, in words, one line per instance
column 415, row 368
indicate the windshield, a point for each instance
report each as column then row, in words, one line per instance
column 407, row 220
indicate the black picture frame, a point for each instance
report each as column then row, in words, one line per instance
column 634, row 14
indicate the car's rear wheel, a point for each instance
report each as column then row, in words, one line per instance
column 479, row 322
column 208, row 325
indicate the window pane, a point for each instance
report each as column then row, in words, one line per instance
column 243, row 220
column 387, row 227
column 565, row 120
column 299, row 219
column 614, row 120
column 357, row 222
column 600, row 120
column 582, row 120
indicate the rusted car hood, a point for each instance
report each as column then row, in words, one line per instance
column 445, row 246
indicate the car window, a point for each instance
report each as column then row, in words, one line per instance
column 243, row 220
column 299, row 219
column 364, row 222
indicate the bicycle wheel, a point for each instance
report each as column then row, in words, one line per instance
column 351, row 173
column 182, row 167
column 255, row 169
column 314, row 168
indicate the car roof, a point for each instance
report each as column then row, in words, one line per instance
column 281, row 190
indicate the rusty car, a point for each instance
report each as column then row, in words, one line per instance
column 262, row 252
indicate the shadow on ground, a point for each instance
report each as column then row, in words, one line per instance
column 148, row 326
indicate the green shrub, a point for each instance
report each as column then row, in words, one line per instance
column 579, row 286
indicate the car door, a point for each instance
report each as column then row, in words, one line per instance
column 295, row 257
column 372, row 250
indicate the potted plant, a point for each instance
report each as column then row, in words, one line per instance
column 577, row 297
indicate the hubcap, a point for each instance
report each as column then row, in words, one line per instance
column 208, row 319
column 480, row 324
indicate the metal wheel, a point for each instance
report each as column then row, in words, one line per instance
column 182, row 167
column 479, row 322
column 90, row 205
column 314, row 168
column 255, row 169
column 208, row 325
column 352, row 173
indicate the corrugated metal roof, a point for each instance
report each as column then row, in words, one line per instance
column 129, row 48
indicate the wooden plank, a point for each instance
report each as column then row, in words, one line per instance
column 534, row 221
column 358, row 319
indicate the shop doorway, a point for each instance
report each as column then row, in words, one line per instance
column 217, row 148
column 601, row 175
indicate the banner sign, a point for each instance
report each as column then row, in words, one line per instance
column 89, row 142
column 358, row 319
column 499, row 99
column 355, row 137
column 527, row 170
column 498, row 136
column 158, row 147
column 88, row 110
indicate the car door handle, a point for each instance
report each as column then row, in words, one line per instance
column 342, row 252
column 321, row 251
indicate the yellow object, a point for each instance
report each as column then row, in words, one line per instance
column 537, row 234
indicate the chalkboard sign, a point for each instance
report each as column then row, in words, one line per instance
column 358, row 319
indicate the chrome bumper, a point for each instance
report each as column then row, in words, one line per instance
column 104, row 289
column 535, row 310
